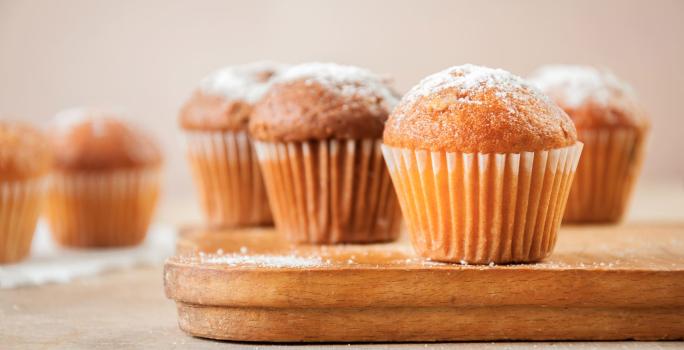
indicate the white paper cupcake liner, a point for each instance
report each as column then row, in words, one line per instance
column 20, row 206
column 332, row 191
column 227, row 176
column 102, row 210
column 606, row 175
column 481, row 208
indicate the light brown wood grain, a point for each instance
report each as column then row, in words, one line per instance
column 428, row 324
column 603, row 283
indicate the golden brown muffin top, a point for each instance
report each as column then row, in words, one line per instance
column 91, row 140
column 472, row 109
column 224, row 99
column 24, row 152
column 318, row 101
column 594, row 98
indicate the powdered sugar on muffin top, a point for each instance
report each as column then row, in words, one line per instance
column 349, row 81
column 473, row 78
column 574, row 86
column 23, row 151
column 247, row 82
column 65, row 120
column 100, row 136
column 472, row 109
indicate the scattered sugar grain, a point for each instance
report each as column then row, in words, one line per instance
column 293, row 261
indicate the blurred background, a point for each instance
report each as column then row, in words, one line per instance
column 145, row 57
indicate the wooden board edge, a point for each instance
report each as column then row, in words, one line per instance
column 423, row 288
column 430, row 324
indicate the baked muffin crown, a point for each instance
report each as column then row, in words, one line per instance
column 24, row 152
column 92, row 140
column 594, row 98
column 224, row 99
column 472, row 109
column 317, row 101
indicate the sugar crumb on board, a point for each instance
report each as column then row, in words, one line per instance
column 257, row 260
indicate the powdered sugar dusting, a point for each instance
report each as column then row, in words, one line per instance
column 246, row 82
column 343, row 80
column 107, row 126
column 67, row 119
column 70, row 118
column 472, row 78
column 22, row 147
column 575, row 85
column 275, row 261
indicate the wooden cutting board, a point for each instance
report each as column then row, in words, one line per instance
column 602, row 283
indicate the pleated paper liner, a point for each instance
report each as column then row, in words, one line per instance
column 102, row 210
column 483, row 208
column 606, row 175
column 228, row 179
column 330, row 191
column 20, row 205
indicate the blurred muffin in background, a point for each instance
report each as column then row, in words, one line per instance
column 219, row 150
column 482, row 163
column 25, row 160
column 317, row 133
column 106, row 180
column 613, row 127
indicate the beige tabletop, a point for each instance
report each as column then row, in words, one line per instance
column 128, row 310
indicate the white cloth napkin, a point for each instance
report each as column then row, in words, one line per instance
column 50, row 263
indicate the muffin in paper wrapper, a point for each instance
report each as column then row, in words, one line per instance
column 228, row 179
column 483, row 208
column 102, row 209
column 606, row 175
column 21, row 202
column 330, row 191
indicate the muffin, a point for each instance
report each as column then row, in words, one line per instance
column 482, row 163
column 224, row 166
column 25, row 160
column 317, row 133
column 106, row 180
column 613, row 127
